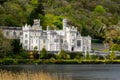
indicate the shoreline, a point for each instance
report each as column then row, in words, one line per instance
column 55, row 61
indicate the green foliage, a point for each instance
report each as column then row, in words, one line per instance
column 63, row 55
column 99, row 19
column 14, row 12
column 10, row 21
column 35, row 53
column 99, row 9
column 24, row 54
column 51, row 55
column 115, row 47
column 79, row 56
column 94, row 57
column 35, row 2
column 112, row 55
column 37, row 12
column 43, row 54
column 7, row 61
column 5, row 45
column 87, row 56
column 17, row 47
column 88, row 16
column 2, row 1
column 55, row 22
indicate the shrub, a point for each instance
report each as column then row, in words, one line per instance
column 63, row 55
column 7, row 61
column 94, row 57
column 37, row 61
column 43, row 54
column 50, row 55
column 66, row 61
column 79, row 56
column 23, row 61
column 24, row 54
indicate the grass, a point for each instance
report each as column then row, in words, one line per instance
column 9, row 75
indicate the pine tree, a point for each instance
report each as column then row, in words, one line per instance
column 37, row 13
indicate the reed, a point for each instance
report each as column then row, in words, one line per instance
column 9, row 75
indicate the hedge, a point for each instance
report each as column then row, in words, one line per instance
column 55, row 61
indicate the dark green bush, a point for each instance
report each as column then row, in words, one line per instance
column 36, row 61
column 66, row 62
column 24, row 61
column 7, row 61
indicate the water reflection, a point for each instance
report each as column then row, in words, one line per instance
column 74, row 72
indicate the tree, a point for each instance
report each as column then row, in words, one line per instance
column 63, row 55
column 110, row 34
column 79, row 56
column 15, row 14
column 2, row 1
column 99, row 9
column 35, row 2
column 37, row 13
column 112, row 55
column 115, row 47
column 87, row 56
column 17, row 47
column 55, row 22
column 5, row 45
column 35, row 53
column 93, row 57
column 24, row 54
column 43, row 54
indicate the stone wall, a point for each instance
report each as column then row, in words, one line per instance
column 11, row 32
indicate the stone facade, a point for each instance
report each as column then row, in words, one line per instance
column 11, row 32
column 30, row 37
column 68, row 38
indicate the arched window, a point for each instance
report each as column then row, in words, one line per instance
column 20, row 33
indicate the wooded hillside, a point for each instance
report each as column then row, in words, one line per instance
column 98, row 18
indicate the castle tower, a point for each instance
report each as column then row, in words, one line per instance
column 37, row 22
column 65, row 24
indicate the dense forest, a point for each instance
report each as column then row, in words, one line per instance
column 98, row 18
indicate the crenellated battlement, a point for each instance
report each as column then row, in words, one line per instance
column 33, row 36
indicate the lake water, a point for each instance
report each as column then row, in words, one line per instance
column 76, row 72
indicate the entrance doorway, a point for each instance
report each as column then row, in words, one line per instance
column 72, row 48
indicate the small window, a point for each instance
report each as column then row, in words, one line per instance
column 56, row 40
column 31, row 41
column 87, row 48
column 26, row 41
column 72, row 34
column 25, row 35
column 14, row 33
column 61, row 40
column 25, row 47
column 7, row 33
column 83, row 48
column 20, row 33
column 43, row 40
column 78, row 43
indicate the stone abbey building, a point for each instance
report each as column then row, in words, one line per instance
column 33, row 36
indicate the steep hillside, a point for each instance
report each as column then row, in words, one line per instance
column 98, row 18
